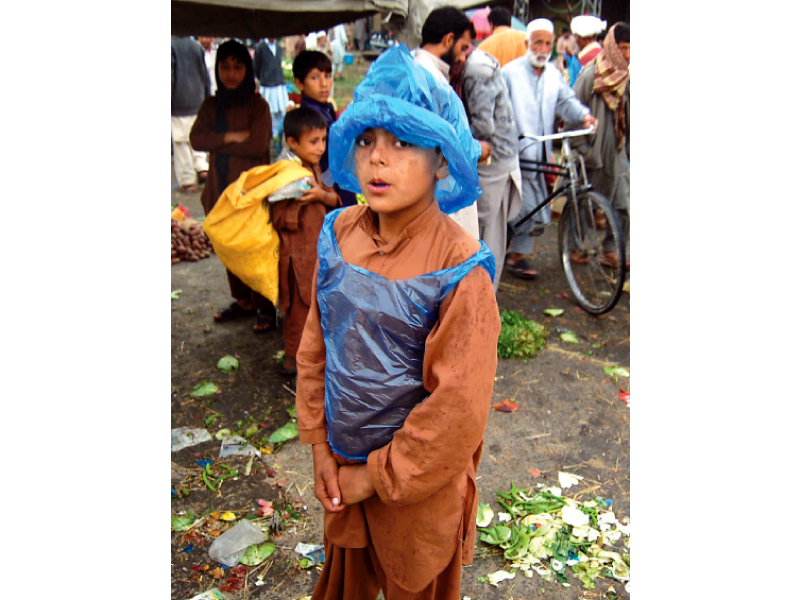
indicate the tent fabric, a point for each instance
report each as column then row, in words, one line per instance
column 256, row 19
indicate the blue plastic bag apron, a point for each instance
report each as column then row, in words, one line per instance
column 375, row 331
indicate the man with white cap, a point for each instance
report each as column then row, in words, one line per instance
column 539, row 95
column 586, row 29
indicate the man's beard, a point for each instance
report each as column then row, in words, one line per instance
column 537, row 60
column 450, row 56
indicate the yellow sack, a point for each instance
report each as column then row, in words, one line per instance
column 240, row 229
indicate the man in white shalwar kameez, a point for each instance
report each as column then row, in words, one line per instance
column 539, row 95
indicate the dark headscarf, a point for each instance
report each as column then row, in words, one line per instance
column 227, row 99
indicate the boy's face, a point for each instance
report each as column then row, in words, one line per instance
column 311, row 145
column 396, row 177
column 231, row 72
column 317, row 85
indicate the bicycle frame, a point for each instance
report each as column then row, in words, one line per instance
column 569, row 171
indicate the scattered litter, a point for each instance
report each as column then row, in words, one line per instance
column 228, row 363
column 179, row 473
column 222, row 433
column 184, row 437
column 485, row 514
column 574, row 516
column 498, row 576
column 503, row 517
column 266, row 509
column 205, row 462
column 229, row 547
column 256, row 554
column 235, row 445
column 569, row 336
column 204, row 388
column 183, row 522
column 615, row 371
column 311, row 552
column 625, row 397
column 567, row 480
column 549, row 534
column 227, row 516
column 505, row 406
column 175, row 294
column 554, row 312
column 212, row 594
column 306, row 549
column 285, row 433
column 188, row 549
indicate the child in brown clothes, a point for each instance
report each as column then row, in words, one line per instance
column 298, row 222
column 234, row 126
column 399, row 351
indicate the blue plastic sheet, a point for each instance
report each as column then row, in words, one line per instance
column 402, row 97
column 375, row 331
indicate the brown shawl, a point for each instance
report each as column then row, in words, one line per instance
column 610, row 78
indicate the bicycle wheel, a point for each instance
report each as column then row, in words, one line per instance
column 585, row 245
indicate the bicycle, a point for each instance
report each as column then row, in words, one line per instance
column 585, row 244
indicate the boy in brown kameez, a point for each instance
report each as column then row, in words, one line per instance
column 298, row 222
column 397, row 480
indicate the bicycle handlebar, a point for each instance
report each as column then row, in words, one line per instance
column 558, row 136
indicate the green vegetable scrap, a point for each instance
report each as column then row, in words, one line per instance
column 182, row 523
column 548, row 533
column 617, row 372
column 569, row 336
column 204, row 388
column 228, row 363
column 257, row 554
column 519, row 337
column 287, row 432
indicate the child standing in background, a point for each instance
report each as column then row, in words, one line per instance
column 298, row 222
column 313, row 76
column 235, row 127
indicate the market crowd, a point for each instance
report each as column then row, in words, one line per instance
column 390, row 316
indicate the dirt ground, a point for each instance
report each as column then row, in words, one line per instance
column 569, row 419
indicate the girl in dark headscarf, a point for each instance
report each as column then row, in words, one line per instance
column 235, row 127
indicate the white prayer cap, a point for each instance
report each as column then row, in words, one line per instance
column 587, row 26
column 540, row 25
column 321, row 33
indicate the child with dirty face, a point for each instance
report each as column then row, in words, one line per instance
column 398, row 355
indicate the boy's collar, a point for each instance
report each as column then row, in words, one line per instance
column 370, row 225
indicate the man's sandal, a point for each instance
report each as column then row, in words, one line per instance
column 232, row 312
column 521, row 268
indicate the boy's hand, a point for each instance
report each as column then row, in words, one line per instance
column 326, row 478
column 355, row 483
column 318, row 194
column 236, row 136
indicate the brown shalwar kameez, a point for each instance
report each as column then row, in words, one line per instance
column 298, row 224
column 254, row 117
column 419, row 528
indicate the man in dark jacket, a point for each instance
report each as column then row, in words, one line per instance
column 190, row 86
column 269, row 73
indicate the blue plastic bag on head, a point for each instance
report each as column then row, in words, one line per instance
column 403, row 98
